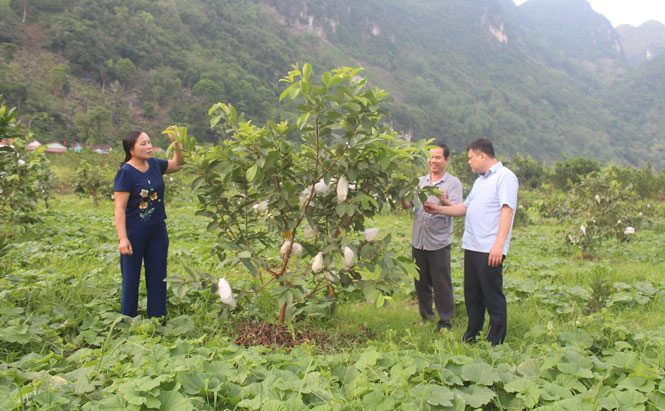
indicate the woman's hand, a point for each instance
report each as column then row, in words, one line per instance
column 178, row 156
column 125, row 247
column 175, row 131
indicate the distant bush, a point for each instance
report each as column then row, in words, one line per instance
column 94, row 182
column 601, row 207
column 24, row 176
column 571, row 171
column 646, row 183
column 530, row 173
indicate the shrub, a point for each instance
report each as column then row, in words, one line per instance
column 601, row 207
column 646, row 183
column 570, row 171
column 261, row 190
column 93, row 181
column 24, row 175
column 530, row 173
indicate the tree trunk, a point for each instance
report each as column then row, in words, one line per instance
column 282, row 314
column 25, row 10
column 101, row 74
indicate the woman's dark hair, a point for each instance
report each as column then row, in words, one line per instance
column 128, row 142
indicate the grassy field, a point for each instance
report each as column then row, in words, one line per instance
column 582, row 334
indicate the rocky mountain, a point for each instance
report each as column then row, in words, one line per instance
column 547, row 78
column 460, row 69
column 638, row 107
column 577, row 39
column 643, row 43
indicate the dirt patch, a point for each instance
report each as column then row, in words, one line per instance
column 588, row 257
column 279, row 336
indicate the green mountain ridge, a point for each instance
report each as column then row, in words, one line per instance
column 642, row 43
column 87, row 70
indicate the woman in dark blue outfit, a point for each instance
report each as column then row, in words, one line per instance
column 139, row 221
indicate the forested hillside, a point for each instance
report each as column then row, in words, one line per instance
column 642, row 43
column 86, row 70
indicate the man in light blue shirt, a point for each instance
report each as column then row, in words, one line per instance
column 489, row 210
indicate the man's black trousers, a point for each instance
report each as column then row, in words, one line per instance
column 434, row 269
column 483, row 290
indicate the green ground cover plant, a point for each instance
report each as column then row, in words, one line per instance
column 572, row 344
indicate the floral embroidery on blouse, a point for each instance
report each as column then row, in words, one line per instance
column 148, row 205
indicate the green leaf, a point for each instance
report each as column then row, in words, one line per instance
column 351, row 107
column 169, row 150
column 294, row 92
column 152, row 402
column 212, row 226
column 480, row 373
column 302, row 119
column 147, row 383
column 632, row 383
column 173, row 401
column 247, row 262
column 622, row 359
column 306, row 70
column 622, row 400
column 369, row 290
column 527, row 390
column 337, row 80
column 657, row 399
column 570, row 382
column 450, row 378
column 576, row 369
column 367, row 359
column 285, row 297
column 197, row 183
column 529, row 368
column 349, row 209
column 286, row 92
column 327, row 78
column 271, row 159
column 439, row 396
column 251, row 173
column 553, row 392
column 476, row 395
column 135, row 399
column 192, row 382
column 379, row 401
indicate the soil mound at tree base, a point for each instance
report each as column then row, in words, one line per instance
column 279, row 336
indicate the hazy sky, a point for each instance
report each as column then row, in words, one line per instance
column 633, row 12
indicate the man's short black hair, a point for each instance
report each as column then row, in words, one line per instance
column 446, row 151
column 482, row 145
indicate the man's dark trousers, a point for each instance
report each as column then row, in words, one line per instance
column 483, row 289
column 434, row 269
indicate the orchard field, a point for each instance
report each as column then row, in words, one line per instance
column 583, row 333
column 324, row 314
